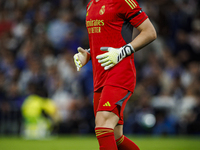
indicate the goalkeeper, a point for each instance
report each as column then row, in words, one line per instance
column 110, row 26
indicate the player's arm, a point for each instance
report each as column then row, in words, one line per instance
column 147, row 35
column 81, row 58
column 115, row 55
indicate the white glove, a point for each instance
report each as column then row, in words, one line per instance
column 114, row 55
column 81, row 58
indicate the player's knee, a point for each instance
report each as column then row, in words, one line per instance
column 106, row 119
column 101, row 119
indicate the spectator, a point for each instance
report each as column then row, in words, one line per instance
column 39, row 37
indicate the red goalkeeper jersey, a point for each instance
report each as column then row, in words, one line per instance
column 110, row 23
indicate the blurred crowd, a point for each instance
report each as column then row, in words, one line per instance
column 38, row 39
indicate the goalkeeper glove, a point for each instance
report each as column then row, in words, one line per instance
column 81, row 58
column 114, row 55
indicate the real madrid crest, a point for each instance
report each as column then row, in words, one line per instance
column 102, row 10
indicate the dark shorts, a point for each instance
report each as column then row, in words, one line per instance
column 113, row 99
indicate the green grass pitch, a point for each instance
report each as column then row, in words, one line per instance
column 90, row 143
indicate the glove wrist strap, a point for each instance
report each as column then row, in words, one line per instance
column 128, row 49
column 88, row 50
column 88, row 54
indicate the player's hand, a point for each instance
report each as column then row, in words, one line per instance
column 114, row 55
column 81, row 58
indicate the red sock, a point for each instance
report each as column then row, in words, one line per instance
column 123, row 143
column 106, row 138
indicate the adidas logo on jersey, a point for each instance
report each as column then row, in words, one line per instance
column 107, row 104
column 131, row 3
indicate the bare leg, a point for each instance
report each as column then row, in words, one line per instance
column 105, row 124
column 118, row 131
column 106, row 119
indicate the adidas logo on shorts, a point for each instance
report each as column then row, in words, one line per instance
column 107, row 104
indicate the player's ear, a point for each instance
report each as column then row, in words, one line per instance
column 104, row 48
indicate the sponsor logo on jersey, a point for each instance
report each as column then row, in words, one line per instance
column 94, row 26
column 107, row 104
column 96, row 22
column 131, row 3
column 102, row 10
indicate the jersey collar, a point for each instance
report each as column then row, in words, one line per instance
column 96, row 1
